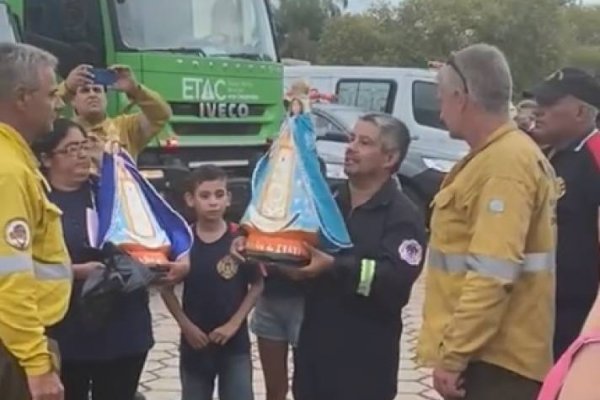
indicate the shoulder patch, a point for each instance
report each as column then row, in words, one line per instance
column 496, row 206
column 411, row 251
column 17, row 234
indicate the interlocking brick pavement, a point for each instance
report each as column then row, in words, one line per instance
column 160, row 380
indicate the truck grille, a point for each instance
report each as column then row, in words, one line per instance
column 193, row 109
column 216, row 128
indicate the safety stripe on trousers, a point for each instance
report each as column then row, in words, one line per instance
column 43, row 271
column 490, row 266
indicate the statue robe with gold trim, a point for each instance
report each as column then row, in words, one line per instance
column 134, row 216
column 291, row 202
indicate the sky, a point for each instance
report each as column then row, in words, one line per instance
column 361, row 5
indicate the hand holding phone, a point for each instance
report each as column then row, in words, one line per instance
column 104, row 77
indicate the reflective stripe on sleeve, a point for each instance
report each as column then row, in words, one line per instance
column 490, row 266
column 367, row 273
column 52, row 272
column 15, row 263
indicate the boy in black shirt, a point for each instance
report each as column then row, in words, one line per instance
column 218, row 294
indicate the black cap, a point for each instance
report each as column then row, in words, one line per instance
column 565, row 82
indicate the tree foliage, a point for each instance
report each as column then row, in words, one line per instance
column 300, row 24
column 531, row 33
column 536, row 36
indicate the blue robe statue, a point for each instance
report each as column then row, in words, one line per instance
column 134, row 216
column 291, row 202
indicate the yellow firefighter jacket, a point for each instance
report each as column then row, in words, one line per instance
column 491, row 263
column 35, row 273
column 127, row 129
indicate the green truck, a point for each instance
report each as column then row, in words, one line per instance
column 214, row 61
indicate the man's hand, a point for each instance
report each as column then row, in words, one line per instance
column 319, row 263
column 238, row 247
column 79, row 77
column 448, row 384
column 126, row 81
column 194, row 336
column 176, row 271
column 45, row 387
column 222, row 334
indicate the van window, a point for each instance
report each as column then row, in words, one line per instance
column 323, row 125
column 426, row 106
column 370, row 95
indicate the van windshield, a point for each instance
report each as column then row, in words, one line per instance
column 7, row 33
column 229, row 28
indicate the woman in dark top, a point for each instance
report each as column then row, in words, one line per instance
column 106, row 362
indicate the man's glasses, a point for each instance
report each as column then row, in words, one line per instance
column 452, row 63
column 73, row 149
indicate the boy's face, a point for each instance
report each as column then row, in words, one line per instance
column 209, row 200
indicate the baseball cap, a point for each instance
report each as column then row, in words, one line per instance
column 564, row 82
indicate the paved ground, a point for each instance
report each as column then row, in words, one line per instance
column 160, row 380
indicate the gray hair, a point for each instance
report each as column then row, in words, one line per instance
column 20, row 67
column 395, row 135
column 487, row 75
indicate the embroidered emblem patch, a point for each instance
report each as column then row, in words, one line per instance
column 17, row 234
column 411, row 252
column 227, row 267
column 496, row 206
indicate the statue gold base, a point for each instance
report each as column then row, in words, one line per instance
column 147, row 256
column 282, row 247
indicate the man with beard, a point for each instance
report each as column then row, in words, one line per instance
column 568, row 104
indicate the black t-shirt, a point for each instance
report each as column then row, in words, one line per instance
column 578, row 252
column 213, row 291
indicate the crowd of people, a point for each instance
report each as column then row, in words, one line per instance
column 512, row 255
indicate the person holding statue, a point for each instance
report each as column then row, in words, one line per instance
column 348, row 347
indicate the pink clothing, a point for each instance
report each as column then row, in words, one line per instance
column 556, row 377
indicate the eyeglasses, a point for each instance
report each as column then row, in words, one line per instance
column 452, row 63
column 73, row 149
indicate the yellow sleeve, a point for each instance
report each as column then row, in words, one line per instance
column 65, row 94
column 141, row 127
column 21, row 330
column 502, row 214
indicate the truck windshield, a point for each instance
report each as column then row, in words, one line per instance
column 234, row 28
column 7, row 34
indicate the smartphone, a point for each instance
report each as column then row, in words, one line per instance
column 104, row 77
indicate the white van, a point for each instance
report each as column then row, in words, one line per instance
column 407, row 93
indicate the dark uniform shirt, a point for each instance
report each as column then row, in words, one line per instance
column 349, row 342
column 213, row 291
column 129, row 331
column 578, row 252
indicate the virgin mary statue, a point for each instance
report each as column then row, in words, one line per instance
column 291, row 203
column 134, row 217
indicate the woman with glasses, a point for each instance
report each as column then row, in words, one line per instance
column 105, row 362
